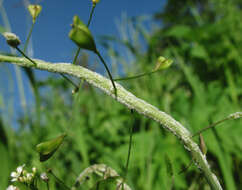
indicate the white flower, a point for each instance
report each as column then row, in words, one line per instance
column 11, row 187
column 16, row 175
column 20, row 168
column 44, row 177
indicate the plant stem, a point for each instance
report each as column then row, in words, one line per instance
column 31, row 60
column 69, row 80
column 76, row 56
column 129, row 151
column 47, row 184
column 59, row 180
column 91, row 14
column 136, row 76
column 109, row 74
column 23, row 54
column 28, row 38
column 209, row 127
column 132, row 102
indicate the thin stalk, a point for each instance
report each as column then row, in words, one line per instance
column 69, row 80
column 28, row 38
column 209, row 127
column 23, row 54
column 47, row 184
column 65, row 77
column 76, row 56
column 232, row 116
column 91, row 14
column 29, row 72
column 59, row 180
column 129, row 151
column 109, row 74
column 136, row 76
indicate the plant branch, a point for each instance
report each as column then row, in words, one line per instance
column 129, row 100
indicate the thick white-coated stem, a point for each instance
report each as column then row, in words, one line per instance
column 130, row 101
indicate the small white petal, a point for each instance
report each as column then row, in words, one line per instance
column 14, row 174
column 14, row 179
column 20, row 168
column 44, row 177
column 11, row 187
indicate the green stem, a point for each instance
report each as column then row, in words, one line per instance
column 69, row 80
column 23, row 54
column 28, row 38
column 59, row 180
column 129, row 151
column 109, row 74
column 136, row 76
column 91, row 14
column 210, row 126
column 47, row 184
column 76, row 56
column 132, row 102
column 89, row 22
column 31, row 60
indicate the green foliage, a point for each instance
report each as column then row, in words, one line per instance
column 201, row 87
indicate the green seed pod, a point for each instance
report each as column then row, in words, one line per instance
column 12, row 39
column 34, row 11
column 47, row 149
column 81, row 35
column 163, row 63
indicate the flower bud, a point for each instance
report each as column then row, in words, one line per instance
column 12, row 39
column 34, row 11
column 81, row 35
column 48, row 148
column 163, row 63
column 95, row 1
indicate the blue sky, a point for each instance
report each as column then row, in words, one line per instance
column 50, row 35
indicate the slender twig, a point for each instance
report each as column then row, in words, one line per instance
column 76, row 56
column 91, row 14
column 109, row 74
column 31, row 60
column 28, row 38
column 23, row 54
column 59, row 180
column 69, row 80
column 209, row 127
column 136, row 76
column 129, row 151
column 233, row 116
column 47, row 184
column 130, row 101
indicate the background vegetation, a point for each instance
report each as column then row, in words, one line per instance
column 204, row 85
